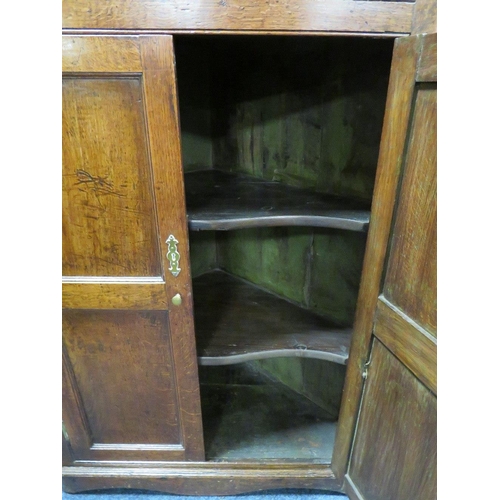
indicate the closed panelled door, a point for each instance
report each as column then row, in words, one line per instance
column 130, row 384
column 394, row 449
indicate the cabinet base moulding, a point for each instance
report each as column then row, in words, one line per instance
column 201, row 478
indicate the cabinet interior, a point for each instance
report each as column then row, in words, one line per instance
column 276, row 276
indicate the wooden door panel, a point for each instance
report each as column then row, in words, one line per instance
column 410, row 282
column 412, row 344
column 394, row 455
column 394, row 447
column 130, row 384
column 107, row 180
column 122, row 364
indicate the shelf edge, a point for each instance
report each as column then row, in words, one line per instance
column 278, row 353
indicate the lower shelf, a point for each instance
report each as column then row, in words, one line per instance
column 236, row 321
column 261, row 420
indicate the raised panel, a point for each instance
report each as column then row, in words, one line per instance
column 413, row 345
column 410, row 282
column 394, row 452
column 121, row 362
column 109, row 226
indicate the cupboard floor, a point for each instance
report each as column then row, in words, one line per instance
column 261, row 420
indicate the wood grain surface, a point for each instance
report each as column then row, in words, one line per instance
column 411, row 275
column 398, row 110
column 104, row 348
column 408, row 341
column 399, row 396
column 424, row 17
column 217, row 200
column 131, row 358
column 346, row 16
column 101, row 54
column 203, row 478
column 427, row 67
column 236, row 321
column 107, row 181
column 296, row 110
column 398, row 423
column 118, row 295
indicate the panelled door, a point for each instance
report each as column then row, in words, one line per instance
column 130, row 383
column 394, row 450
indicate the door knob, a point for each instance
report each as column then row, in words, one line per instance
column 177, row 299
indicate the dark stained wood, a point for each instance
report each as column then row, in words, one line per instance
column 424, row 17
column 236, row 321
column 111, row 354
column 115, row 341
column 75, row 422
column 408, row 341
column 395, row 452
column 399, row 103
column 193, row 66
column 396, row 400
column 261, row 15
column 349, row 488
column 411, row 276
column 202, row 478
column 67, row 455
column 296, row 110
column 249, row 416
column 427, row 67
column 222, row 201
column 305, row 376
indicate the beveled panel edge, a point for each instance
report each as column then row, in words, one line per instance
column 427, row 65
column 137, row 447
column 160, row 32
column 409, row 342
column 75, row 421
column 135, row 280
column 351, row 490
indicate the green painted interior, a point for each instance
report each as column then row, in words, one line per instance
column 274, row 258
column 307, row 112
column 193, row 73
column 337, row 260
column 202, row 252
column 320, row 381
column 304, row 111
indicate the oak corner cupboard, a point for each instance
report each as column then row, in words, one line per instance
column 249, row 246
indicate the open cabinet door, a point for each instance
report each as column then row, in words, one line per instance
column 130, row 384
column 393, row 358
